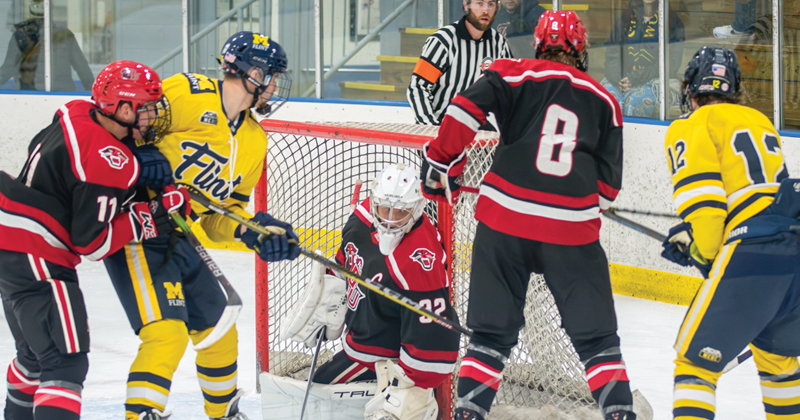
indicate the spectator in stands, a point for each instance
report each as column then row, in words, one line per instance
column 631, row 68
column 516, row 20
column 25, row 55
column 742, row 28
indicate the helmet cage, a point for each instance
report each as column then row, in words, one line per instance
column 245, row 51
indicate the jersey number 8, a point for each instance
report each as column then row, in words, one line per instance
column 558, row 141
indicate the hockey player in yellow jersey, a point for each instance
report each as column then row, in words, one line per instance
column 214, row 144
column 740, row 229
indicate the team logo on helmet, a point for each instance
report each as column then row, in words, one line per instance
column 425, row 258
column 115, row 157
column 130, row 74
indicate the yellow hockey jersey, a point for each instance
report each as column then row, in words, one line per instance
column 726, row 164
column 221, row 158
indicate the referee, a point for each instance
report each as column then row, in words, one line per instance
column 453, row 58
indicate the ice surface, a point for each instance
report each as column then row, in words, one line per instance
column 647, row 330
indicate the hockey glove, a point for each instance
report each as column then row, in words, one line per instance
column 433, row 172
column 153, row 218
column 679, row 247
column 155, row 171
column 274, row 247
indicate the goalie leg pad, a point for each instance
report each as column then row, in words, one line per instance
column 322, row 304
column 282, row 398
column 402, row 400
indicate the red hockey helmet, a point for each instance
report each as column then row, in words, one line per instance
column 140, row 86
column 562, row 30
column 125, row 81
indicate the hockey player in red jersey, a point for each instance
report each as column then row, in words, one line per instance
column 71, row 200
column 389, row 239
column 558, row 165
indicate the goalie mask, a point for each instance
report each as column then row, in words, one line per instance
column 396, row 203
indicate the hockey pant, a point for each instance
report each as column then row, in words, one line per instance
column 501, row 269
column 751, row 297
column 45, row 311
column 168, row 302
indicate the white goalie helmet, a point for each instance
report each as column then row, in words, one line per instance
column 396, row 203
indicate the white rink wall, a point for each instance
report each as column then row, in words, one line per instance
column 646, row 182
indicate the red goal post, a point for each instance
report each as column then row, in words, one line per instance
column 309, row 179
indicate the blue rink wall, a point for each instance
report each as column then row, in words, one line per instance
column 636, row 266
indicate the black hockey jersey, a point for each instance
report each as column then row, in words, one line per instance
column 379, row 329
column 559, row 160
column 67, row 200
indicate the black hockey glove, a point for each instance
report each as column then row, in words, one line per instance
column 155, row 171
column 153, row 218
column 272, row 248
column 679, row 247
column 432, row 173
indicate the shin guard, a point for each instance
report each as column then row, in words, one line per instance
column 479, row 378
column 21, row 385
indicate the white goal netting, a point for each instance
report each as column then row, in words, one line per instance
column 311, row 173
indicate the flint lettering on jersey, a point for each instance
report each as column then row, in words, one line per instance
column 210, row 164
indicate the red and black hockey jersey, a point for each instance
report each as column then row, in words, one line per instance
column 559, row 160
column 379, row 329
column 67, row 199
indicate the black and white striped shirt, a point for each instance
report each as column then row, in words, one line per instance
column 451, row 61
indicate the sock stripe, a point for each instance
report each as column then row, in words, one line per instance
column 59, row 398
column 471, row 368
column 601, row 375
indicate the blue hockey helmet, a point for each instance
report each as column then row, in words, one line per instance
column 711, row 70
column 245, row 51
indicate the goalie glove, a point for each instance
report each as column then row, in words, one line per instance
column 679, row 247
column 153, row 218
column 400, row 400
column 432, row 173
column 323, row 303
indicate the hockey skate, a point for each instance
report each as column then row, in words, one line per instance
column 466, row 414
column 232, row 410
column 153, row 414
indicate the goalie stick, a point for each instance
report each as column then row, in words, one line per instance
column 313, row 369
column 375, row 287
column 234, row 303
column 611, row 213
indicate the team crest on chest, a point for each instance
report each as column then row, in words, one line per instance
column 424, row 257
column 355, row 263
column 115, row 157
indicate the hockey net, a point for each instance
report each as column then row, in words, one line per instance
column 311, row 173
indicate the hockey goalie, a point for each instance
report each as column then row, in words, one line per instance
column 389, row 240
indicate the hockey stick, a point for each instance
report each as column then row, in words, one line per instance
column 313, row 369
column 369, row 284
column 230, row 314
column 611, row 213
column 645, row 212
column 738, row 360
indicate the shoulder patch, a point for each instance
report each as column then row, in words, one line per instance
column 209, row 117
column 199, row 83
column 424, row 257
column 115, row 157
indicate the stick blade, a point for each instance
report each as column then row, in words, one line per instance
column 226, row 321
